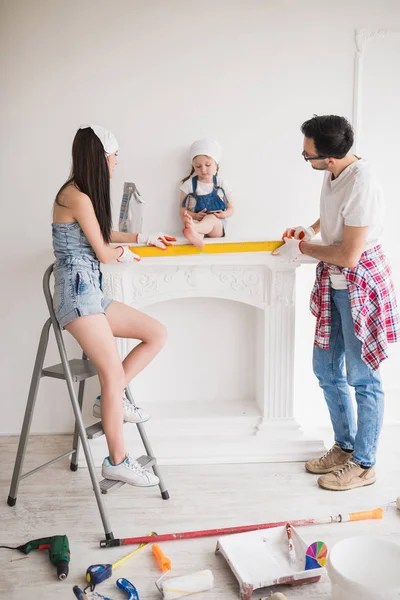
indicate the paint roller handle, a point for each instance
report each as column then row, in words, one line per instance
column 377, row 513
column 342, row 518
column 163, row 561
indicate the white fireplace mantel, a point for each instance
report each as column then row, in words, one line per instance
column 260, row 430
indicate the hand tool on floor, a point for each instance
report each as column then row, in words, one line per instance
column 82, row 595
column 163, row 561
column 95, row 574
column 377, row 513
column 292, row 555
column 58, row 548
column 172, row 588
column 123, row 584
column 128, row 587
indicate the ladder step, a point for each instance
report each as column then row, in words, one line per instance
column 109, row 485
column 80, row 369
column 94, row 431
column 146, row 461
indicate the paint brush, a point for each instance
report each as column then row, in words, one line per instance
column 292, row 555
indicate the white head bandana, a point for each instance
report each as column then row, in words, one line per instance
column 108, row 139
column 206, row 148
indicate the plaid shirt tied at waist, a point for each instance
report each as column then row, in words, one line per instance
column 372, row 302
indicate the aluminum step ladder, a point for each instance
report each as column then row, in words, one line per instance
column 72, row 371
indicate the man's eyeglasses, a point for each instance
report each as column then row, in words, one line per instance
column 308, row 158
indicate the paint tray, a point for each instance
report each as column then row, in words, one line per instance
column 260, row 559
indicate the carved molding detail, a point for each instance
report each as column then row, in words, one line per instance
column 257, row 285
column 242, row 283
column 113, row 286
column 283, row 291
column 241, row 279
column 151, row 282
column 145, row 284
column 362, row 36
column 190, row 276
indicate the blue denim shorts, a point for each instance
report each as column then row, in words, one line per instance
column 78, row 290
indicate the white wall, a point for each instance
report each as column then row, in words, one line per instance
column 159, row 75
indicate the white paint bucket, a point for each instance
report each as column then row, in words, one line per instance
column 365, row 568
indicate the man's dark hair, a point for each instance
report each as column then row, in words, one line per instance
column 333, row 136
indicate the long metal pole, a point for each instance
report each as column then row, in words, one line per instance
column 377, row 513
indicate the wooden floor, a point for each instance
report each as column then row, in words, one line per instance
column 57, row 501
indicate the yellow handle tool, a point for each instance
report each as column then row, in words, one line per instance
column 122, row 560
column 209, row 248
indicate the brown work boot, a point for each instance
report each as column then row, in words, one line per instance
column 332, row 460
column 348, row 477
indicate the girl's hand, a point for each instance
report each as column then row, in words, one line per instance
column 200, row 215
column 220, row 214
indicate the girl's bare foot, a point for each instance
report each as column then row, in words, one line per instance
column 191, row 234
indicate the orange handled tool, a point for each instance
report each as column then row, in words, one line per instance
column 163, row 561
column 377, row 513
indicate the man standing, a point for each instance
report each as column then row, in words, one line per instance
column 353, row 300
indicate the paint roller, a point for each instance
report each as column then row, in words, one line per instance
column 172, row 588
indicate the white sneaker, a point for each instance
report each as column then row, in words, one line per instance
column 129, row 471
column 132, row 413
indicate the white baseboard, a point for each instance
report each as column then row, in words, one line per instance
column 228, row 436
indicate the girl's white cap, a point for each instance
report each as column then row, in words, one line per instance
column 206, row 147
column 107, row 138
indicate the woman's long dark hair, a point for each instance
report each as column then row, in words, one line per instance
column 91, row 176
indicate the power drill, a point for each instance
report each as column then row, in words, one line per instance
column 58, row 548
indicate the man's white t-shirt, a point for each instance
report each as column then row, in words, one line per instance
column 354, row 198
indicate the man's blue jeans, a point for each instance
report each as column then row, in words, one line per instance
column 341, row 366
